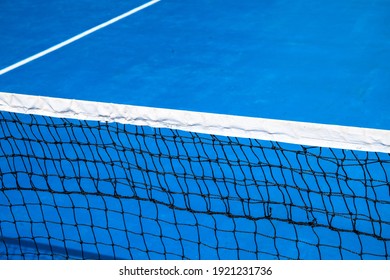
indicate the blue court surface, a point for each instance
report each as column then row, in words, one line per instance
column 313, row 61
column 321, row 62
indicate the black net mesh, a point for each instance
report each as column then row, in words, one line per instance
column 72, row 189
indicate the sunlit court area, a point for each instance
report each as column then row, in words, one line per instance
column 194, row 130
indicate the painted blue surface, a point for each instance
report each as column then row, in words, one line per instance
column 322, row 61
column 28, row 27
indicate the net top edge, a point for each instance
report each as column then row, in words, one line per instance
column 302, row 133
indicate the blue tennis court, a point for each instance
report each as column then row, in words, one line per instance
column 322, row 62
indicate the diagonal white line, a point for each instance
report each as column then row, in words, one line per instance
column 75, row 38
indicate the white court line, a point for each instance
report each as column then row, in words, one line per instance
column 75, row 38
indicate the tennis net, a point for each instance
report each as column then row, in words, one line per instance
column 87, row 180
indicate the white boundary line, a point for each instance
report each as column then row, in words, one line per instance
column 75, row 38
column 321, row 135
